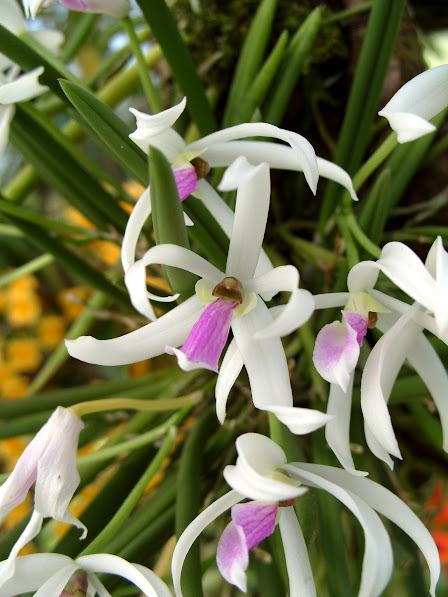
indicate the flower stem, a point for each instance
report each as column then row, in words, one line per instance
column 145, row 77
column 361, row 236
column 94, row 406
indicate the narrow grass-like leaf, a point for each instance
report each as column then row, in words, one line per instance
column 168, row 219
column 294, row 59
column 28, row 268
column 251, row 58
column 28, row 58
column 110, row 129
column 376, row 208
column 77, row 266
column 63, row 172
column 160, row 19
column 373, row 63
column 260, row 87
column 189, row 497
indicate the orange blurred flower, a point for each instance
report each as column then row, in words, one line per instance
column 23, row 354
column 51, row 330
column 438, row 524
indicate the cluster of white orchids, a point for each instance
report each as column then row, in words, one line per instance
column 264, row 486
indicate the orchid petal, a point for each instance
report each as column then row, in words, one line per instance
column 251, row 213
column 303, row 148
column 194, row 529
column 6, row 115
column 50, row 39
column 363, row 276
column 378, row 559
column 186, row 181
column 330, row 300
column 380, row 372
column 166, row 254
column 437, row 265
column 139, row 214
column 251, row 523
column 154, row 130
column 112, row 564
column 25, row 87
column 97, row 586
column 144, row 343
column 296, row 312
column 301, row 583
column 114, row 8
column 430, row 368
column 32, row 571
column 225, row 217
column 11, row 17
column 407, row 271
column 336, row 353
column 277, row 156
column 388, row 504
column 31, row 530
column 337, row 430
column 158, row 584
column 419, row 100
column 232, row 556
column 57, row 475
column 299, row 420
column 204, row 345
column 254, row 474
column 265, row 360
column 231, row 366
column 54, row 586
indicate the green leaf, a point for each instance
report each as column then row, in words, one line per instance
column 63, row 171
column 376, row 208
column 168, row 219
column 373, row 63
column 112, row 131
column 250, row 60
column 251, row 57
column 296, row 54
column 260, row 87
column 164, row 28
column 29, row 58
column 189, row 501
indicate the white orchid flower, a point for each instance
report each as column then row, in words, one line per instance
column 262, row 474
column 50, row 573
column 114, row 8
column 414, row 104
column 16, row 88
column 49, row 460
column 402, row 326
column 233, row 298
column 190, row 163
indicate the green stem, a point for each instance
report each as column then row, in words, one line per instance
column 349, row 12
column 145, row 76
column 28, row 268
column 127, row 446
column 130, row 502
column 375, row 160
column 361, row 236
column 275, row 429
column 96, row 406
column 350, row 246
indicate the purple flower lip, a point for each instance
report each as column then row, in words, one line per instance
column 230, row 288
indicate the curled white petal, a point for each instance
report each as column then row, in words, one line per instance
column 378, row 559
column 299, row 420
column 251, row 213
column 32, row 571
column 136, row 221
column 23, row 88
column 386, row 503
column 303, row 148
column 419, row 100
column 228, row 372
column 337, row 430
column 194, row 529
column 144, row 343
column 301, row 583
